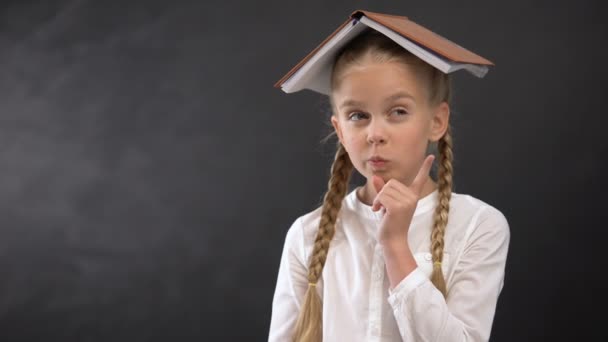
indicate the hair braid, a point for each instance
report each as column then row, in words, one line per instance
column 309, row 327
column 440, row 219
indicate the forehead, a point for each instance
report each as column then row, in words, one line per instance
column 376, row 81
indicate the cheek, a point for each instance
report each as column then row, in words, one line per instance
column 348, row 138
column 416, row 138
column 351, row 138
column 355, row 142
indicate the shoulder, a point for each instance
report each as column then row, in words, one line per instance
column 470, row 205
column 303, row 231
column 309, row 222
column 484, row 219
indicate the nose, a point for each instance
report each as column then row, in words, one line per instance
column 376, row 135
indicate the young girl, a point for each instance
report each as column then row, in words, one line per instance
column 401, row 258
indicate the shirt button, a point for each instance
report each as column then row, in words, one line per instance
column 379, row 275
column 428, row 257
column 375, row 330
column 378, row 250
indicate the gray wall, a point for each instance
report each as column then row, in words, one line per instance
column 149, row 169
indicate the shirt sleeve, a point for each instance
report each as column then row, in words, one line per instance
column 291, row 285
column 423, row 314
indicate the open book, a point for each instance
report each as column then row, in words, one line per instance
column 314, row 71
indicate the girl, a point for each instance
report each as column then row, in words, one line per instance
column 401, row 258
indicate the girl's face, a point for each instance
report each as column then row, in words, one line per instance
column 384, row 120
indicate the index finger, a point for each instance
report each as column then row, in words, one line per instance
column 422, row 175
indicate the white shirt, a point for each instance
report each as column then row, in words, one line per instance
column 357, row 302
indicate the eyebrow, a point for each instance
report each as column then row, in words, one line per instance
column 396, row 96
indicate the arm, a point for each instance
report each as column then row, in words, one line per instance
column 424, row 315
column 292, row 282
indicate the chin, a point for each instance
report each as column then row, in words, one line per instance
column 384, row 174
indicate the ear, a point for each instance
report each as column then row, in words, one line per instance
column 440, row 121
column 336, row 123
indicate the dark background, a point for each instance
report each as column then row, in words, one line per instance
column 149, row 169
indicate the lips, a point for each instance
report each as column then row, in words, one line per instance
column 377, row 162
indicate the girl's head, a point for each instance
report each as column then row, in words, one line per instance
column 388, row 106
column 375, row 47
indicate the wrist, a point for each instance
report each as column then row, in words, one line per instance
column 397, row 251
column 399, row 261
column 395, row 245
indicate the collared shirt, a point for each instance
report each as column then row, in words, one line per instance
column 358, row 304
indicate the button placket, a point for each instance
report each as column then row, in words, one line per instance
column 375, row 298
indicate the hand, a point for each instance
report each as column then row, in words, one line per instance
column 398, row 203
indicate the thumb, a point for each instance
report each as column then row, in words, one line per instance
column 378, row 183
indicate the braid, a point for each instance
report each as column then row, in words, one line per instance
column 309, row 327
column 440, row 220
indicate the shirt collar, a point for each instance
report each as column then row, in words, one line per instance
column 354, row 203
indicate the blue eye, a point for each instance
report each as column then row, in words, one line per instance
column 356, row 116
column 400, row 111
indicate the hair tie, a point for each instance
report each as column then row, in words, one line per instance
column 437, row 263
column 312, row 284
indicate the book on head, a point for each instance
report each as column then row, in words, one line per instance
column 314, row 71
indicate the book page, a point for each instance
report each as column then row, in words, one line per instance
column 434, row 59
column 315, row 74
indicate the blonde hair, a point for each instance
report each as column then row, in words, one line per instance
column 379, row 48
